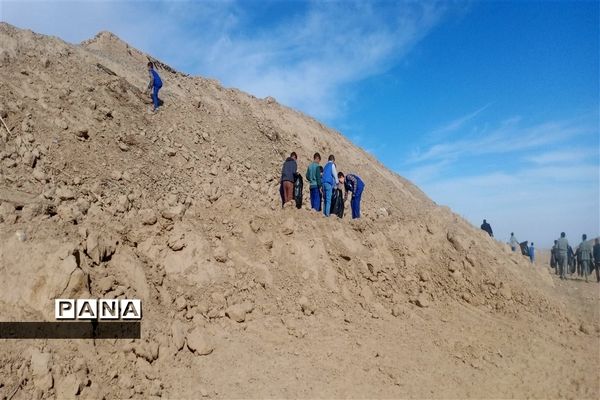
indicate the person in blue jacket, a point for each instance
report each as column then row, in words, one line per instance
column 155, row 84
column 328, row 180
column 532, row 253
column 355, row 185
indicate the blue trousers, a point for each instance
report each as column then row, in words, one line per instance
column 355, row 202
column 315, row 198
column 155, row 90
column 328, row 191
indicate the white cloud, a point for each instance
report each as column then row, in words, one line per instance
column 535, row 205
column 458, row 123
column 304, row 60
column 567, row 155
column 526, row 179
column 508, row 138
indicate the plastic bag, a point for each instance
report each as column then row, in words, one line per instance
column 298, row 186
column 337, row 203
column 524, row 248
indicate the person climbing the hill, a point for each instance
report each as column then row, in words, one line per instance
column 532, row 253
column 353, row 184
column 487, row 227
column 584, row 252
column 562, row 249
column 513, row 242
column 596, row 254
column 288, row 174
column 155, row 84
column 313, row 176
column 329, row 180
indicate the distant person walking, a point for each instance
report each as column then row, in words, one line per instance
column 585, row 256
column 355, row 185
column 532, row 253
column 155, row 84
column 596, row 253
column 514, row 243
column 562, row 247
column 487, row 227
column 288, row 173
column 554, row 258
column 313, row 176
column 329, row 181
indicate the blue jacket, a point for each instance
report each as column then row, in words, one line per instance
column 328, row 172
column 157, row 82
column 353, row 184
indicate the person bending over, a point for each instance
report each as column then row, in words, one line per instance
column 353, row 184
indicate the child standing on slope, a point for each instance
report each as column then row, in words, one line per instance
column 155, row 84
column 313, row 175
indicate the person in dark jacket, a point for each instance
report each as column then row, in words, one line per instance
column 155, row 84
column 487, row 227
column 353, row 184
column 288, row 174
column 554, row 258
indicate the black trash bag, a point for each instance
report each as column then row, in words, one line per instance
column 553, row 261
column 298, row 186
column 524, row 248
column 571, row 260
column 337, row 203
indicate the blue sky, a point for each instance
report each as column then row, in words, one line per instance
column 492, row 108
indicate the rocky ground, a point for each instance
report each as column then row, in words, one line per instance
column 242, row 299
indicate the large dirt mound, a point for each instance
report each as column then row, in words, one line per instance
column 100, row 198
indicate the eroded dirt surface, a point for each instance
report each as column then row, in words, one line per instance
column 242, row 299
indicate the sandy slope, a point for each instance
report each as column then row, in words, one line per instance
column 243, row 299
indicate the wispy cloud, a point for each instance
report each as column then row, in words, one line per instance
column 564, row 155
column 535, row 203
column 535, row 179
column 458, row 123
column 304, row 59
column 510, row 137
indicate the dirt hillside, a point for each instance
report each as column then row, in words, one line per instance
column 99, row 198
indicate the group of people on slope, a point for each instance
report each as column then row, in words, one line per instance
column 323, row 180
column 526, row 250
column 583, row 260
column 563, row 259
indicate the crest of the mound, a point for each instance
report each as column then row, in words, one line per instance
column 194, row 191
column 111, row 47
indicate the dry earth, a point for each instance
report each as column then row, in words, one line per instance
column 99, row 198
